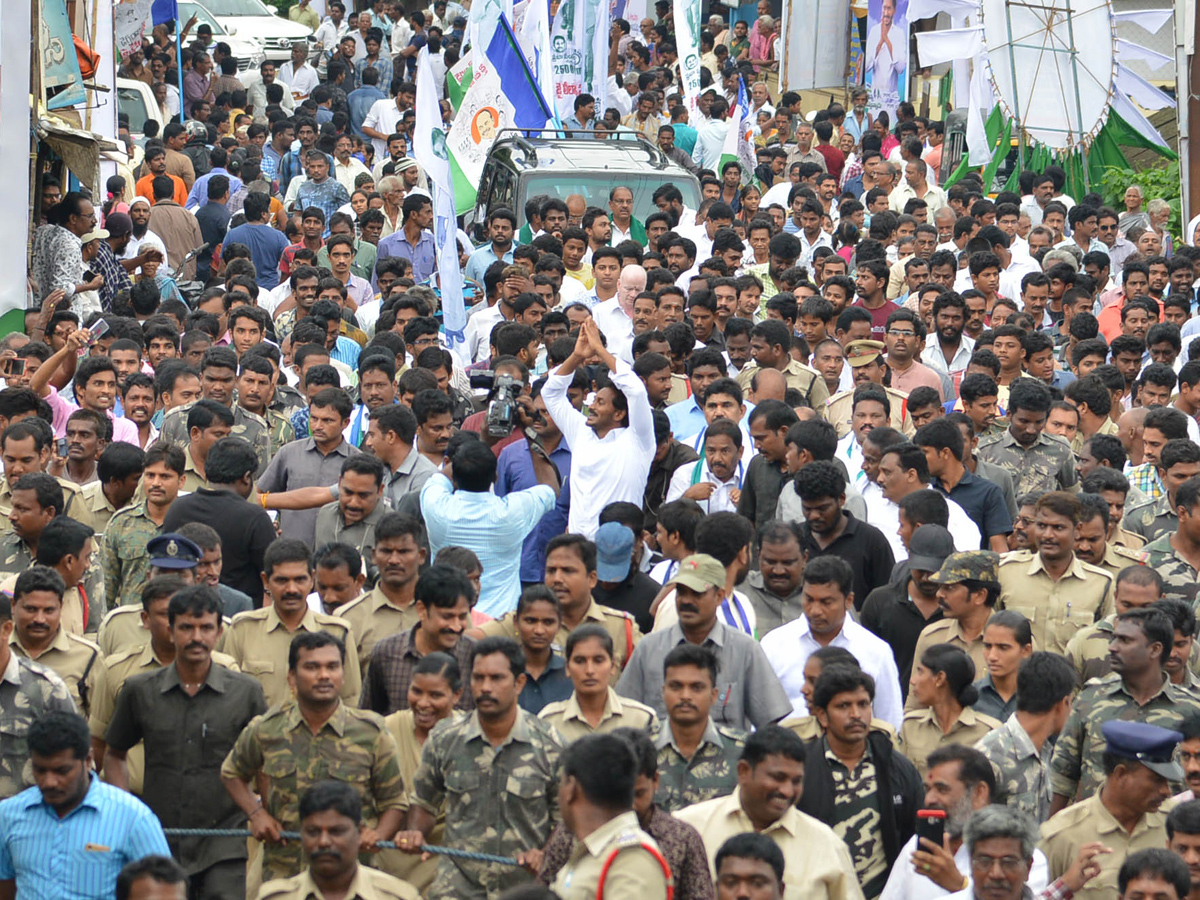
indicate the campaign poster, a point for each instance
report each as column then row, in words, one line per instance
column 886, row 54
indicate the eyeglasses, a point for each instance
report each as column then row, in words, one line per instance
column 894, row 332
column 1009, row 864
column 426, row 342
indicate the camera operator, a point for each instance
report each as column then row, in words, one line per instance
column 506, row 383
column 461, row 510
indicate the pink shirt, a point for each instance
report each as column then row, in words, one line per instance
column 123, row 429
column 915, row 376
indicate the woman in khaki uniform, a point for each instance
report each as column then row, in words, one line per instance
column 435, row 691
column 942, row 682
column 594, row 707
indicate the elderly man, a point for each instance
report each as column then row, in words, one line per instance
column 615, row 316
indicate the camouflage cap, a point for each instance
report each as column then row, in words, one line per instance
column 972, row 565
column 864, row 352
column 700, row 572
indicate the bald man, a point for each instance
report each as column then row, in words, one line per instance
column 576, row 207
column 767, row 384
column 615, row 316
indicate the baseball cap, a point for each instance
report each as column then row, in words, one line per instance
column 700, row 572
column 118, row 224
column 614, row 551
column 929, row 547
column 971, row 565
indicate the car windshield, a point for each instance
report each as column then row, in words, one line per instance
column 130, row 103
column 595, row 188
column 238, row 8
column 202, row 15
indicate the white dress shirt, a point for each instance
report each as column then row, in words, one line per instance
column 617, row 327
column 789, row 646
column 885, row 515
column 721, row 499
column 603, row 470
column 905, row 883
column 302, row 81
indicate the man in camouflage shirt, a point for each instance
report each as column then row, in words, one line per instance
column 27, row 690
column 256, row 378
column 1087, row 652
column 317, row 738
column 697, row 759
column 1037, row 461
column 1178, row 462
column 1138, row 690
column 497, row 771
column 218, row 372
column 1020, row 749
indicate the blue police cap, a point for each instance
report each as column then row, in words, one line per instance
column 173, row 551
column 1150, row 745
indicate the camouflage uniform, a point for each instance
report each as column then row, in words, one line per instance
column 279, row 429
column 287, row 400
column 1151, row 520
column 1076, row 768
column 250, row 427
column 353, row 746
column 76, row 660
column 1087, row 651
column 372, row 618
column 1055, row 609
column 710, row 773
column 368, row 884
column 27, row 690
column 1022, row 772
column 501, row 800
column 1182, row 581
column 119, row 668
column 126, row 561
column 1048, row 465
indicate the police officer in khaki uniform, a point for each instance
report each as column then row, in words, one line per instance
column 38, row 634
column 1053, row 588
column 769, row 351
column 331, row 827
column 968, row 589
column 596, row 801
column 124, row 628
column 867, row 361
column 1136, row 587
column 118, row 472
column 1139, row 784
column 259, row 640
column 1091, row 543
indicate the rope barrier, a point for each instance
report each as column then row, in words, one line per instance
column 383, row 845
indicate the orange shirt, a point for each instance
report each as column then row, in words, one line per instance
column 145, row 188
column 1110, row 319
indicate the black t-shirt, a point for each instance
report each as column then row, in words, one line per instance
column 633, row 595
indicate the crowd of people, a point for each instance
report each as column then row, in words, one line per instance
column 839, row 537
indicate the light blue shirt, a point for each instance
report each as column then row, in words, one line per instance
column 686, row 418
column 480, row 259
column 494, row 527
column 77, row 857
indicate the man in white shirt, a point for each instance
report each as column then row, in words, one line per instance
column 381, row 121
column 332, row 30
column 298, row 73
column 613, row 446
column 710, row 136
column 615, row 317
column 827, row 598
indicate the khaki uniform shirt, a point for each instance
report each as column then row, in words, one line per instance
column 1088, row 821
column 816, row 862
column 81, row 610
column 1087, row 650
column 921, row 734
column 1128, row 539
column 633, row 871
column 619, row 712
column 373, row 617
column 1056, row 610
column 259, row 642
column 946, row 631
column 119, row 668
column 71, row 493
column 840, row 407
column 192, row 479
column 620, row 627
column 76, row 660
column 93, row 508
column 368, row 884
column 808, row 729
column 797, row 375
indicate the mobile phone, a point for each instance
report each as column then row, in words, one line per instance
column 97, row 330
column 931, row 824
column 62, row 446
column 13, row 367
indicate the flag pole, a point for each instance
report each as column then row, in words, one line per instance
column 179, row 61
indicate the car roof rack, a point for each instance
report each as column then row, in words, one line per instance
column 520, row 138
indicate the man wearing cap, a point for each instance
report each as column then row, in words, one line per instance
column 898, row 612
column 619, row 583
column 968, row 587
column 110, row 262
column 868, row 366
column 1124, row 813
column 1138, row 690
column 747, row 689
column 167, row 554
column 141, row 236
column 1055, row 590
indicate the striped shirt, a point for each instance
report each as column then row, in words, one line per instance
column 79, row 856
